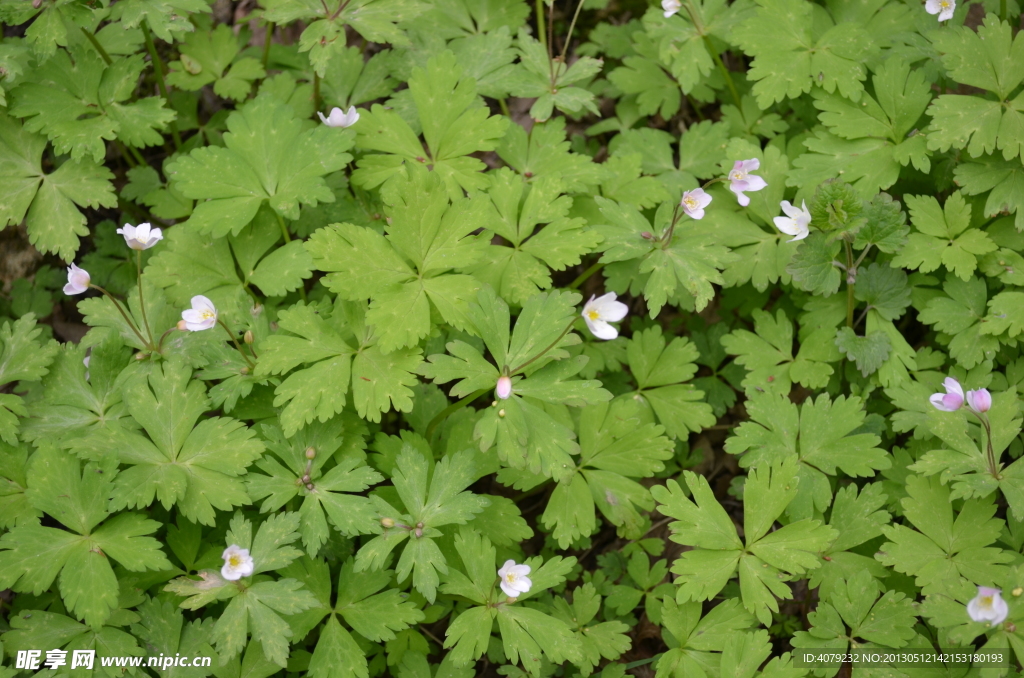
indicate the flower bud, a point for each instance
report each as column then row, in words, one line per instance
column 418, row 532
column 504, row 388
column 309, row 486
column 310, row 453
column 140, row 356
column 306, row 478
column 247, row 337
column 501, row 413
column 509, row 600
column 181, row 326
column 387, row 522
column 979, row 401
column 647, row 235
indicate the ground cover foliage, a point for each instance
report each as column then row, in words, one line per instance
column 446, row 338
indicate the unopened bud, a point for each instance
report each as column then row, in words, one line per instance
column 501, row 413
column 419, row 525
column 247, row 337
column 306, row 478
column 309, row 486
column 1017, row 591
column 510, row 600
column 418, row 532
column 310, row 453
column 504, row 388
column 181, row 325
column 647, row 235
column 36, row 4
column 387, row 522
column 256, row 311
column 140, row 356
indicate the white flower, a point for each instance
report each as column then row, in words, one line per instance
column 741, row 179
column 950, row 401
column 78, row 280
column 202, row 315
column 85, row 361
column 514, row 581
column 796, row 221
column 600, row 311
column 694, row 202
column 504, row 387
column 237, row 563
column 141, row 237
column 988, row 606
column 340, row 118
column 944, row 8
column 979, row 401
column 670, row 7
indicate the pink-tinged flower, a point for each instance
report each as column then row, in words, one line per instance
column 202, row 315
column 600, row 311
column 988, row 606
column 694, row 202
column 944, row 8
column 141, row 237
column 78, row 280
column 514, row 579
column 950, row 401
column 340, row 118
column 796, row 222
column 741, row 179
column 670, row 7
column 979, row 401
column 504, row 387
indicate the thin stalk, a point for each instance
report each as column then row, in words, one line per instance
column 142, row 300
column 993, row 468
column 541, row 30
column 452, row 409
column 158, row 68
column 667, row 238
column 1002, row 10
column 572, row 25
column 316, row 90
column 284, row 229
column 135, row 153
column 234, row 340
column 851, row 302
column 714, row 53
column 267, row 39
column 551, row 42
column 504, row 107
column 128, row 157
column 160, row 344
column 548, row 348
column 123, row 315
column 96, row 45
column 583, row 277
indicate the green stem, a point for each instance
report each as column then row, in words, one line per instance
column 575, row 285
column 541, row 30
column 452, row 409
column 267, row 39
column 990, row 452
column 715, row 54
column 123, row 315
column 96, row 45
column 550, row 346
column 158, row 68
column 504, row 107
column 142, row 300
column 316, row 90
column 234, row 340
column 284, row 229
column 572, row 25
column 1002, row 10
column 128, row 157
column 851, row 302
column 160, row 344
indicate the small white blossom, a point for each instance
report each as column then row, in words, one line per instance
column 944, row 8
column 950, row 401
column 514, row 581
column 670, row 7
column 340, row 118
column 741, row 179
column 141, row 237
column 202, row 315
column 600, row 311
column 504, row 387
column 237, row 563
column 979, row 401
column 988, row 606
column 694, row 202
column 796, row 222
column 78, row 280
column 85, row 361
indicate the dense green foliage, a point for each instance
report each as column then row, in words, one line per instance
column 301, row 428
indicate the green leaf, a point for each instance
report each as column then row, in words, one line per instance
column 805, row 50
column 1004, row 179
column 268, row 155
column 943, row 549
column 943, row 238
column 535, row 79
column 960, row 315
column 164, row 17
column 454, row 126
column 868, row 352
column 162, row 627
column 48, row 203
column 212, row 57
column 544, row 152
column 78, row 102
column 194, row 466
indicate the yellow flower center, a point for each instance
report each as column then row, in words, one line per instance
column 690, row 202
column 510, row 577
column 235, row 560
column 593, row 315
column 945, row 4
column 736, row 176
column 985, row 602
column 206, row 316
